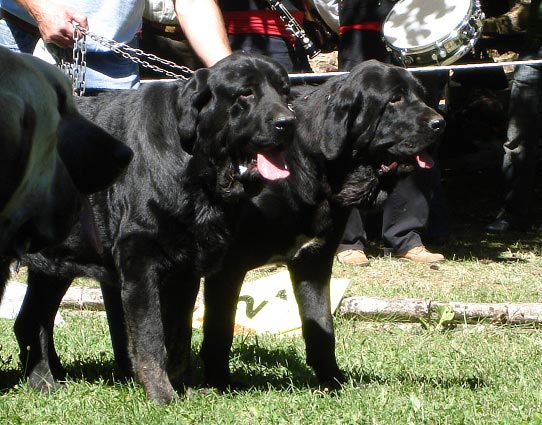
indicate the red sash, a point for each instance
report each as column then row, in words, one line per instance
column 363, row 26
column 265, row 22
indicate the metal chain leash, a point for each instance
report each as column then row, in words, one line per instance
column 135, row 55
column 74, row 65
column 79, row 65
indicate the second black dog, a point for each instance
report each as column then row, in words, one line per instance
column 357, row 134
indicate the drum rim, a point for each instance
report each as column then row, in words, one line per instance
column 428, row 47
column 474, row 5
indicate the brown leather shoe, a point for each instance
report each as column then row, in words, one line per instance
column 354, row 257
column 420, row 254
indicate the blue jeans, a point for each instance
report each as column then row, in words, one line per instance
column 105, row 70
column 16, row 39
column 519, row 161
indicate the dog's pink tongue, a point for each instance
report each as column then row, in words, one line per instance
column 424, row 160
column 272, row 166
column 86, row 217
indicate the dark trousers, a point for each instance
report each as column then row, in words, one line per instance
column 523, row 137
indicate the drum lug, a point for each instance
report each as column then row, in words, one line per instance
column 441, row 50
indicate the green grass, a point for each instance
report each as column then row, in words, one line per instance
column 474, row 375
column 397, row 374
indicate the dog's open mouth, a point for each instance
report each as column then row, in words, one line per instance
column 422, row 160
column 270, row 165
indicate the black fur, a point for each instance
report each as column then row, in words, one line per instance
column 50, row 156
column 168, row 220
column 347, row 129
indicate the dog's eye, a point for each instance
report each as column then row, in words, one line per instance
column 396, row 98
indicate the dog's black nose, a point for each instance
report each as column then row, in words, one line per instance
column 284, row 122
column 438, row 125
column 123, row 155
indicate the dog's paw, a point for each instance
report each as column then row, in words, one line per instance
column 41, row 379
column 162, row 394
column 333, row 381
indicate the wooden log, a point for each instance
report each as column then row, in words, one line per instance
column 474, row 312
column 409, row 309
column 397, row 309
column 524, row 313
column 83, row 298
column 412, row 309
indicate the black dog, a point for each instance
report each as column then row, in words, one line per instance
column 357, row 134
column 201, row 148
column 49, row 157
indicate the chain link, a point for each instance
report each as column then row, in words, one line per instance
column 75, row 67
column 79, row 65
column 136, row 55
column 73, row 63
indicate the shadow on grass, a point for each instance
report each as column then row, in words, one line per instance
column 474, row 205
column 91, row 371
column 94, row 371
column 266, row 373
column 9, row 378
column 471, row 382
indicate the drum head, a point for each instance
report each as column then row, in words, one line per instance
column 413, row 24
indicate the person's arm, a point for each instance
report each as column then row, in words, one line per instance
column 202, row 23
column 54, row 20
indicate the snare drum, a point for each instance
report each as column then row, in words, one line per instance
column 432, row 32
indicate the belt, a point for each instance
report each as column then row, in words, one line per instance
column 265, row 22
column 12, row 19
column 166, row 29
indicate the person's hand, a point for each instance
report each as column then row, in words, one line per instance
column 55, row 21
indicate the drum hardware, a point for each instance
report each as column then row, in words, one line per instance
column 294, row 28
column 415, row 31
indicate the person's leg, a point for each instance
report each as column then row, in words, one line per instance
column 519, row 159
column 352, row 247
column 15, row 38
column 405, row 213
column 438, row 226
column 405, row 216
column 111, row 71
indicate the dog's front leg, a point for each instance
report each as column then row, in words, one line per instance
column 310, row 273
column 221, row 296
column 34, row 330
column 4, row 274
column 146, row 346
column 178, row 298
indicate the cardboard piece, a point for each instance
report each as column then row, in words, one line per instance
column 268, row 305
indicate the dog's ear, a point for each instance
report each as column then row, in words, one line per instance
column 336, row 125
column 18, row 122
column 93, row 157
column 195, row 95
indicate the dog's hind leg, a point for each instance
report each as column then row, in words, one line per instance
column 177, row 299
column 144, row 325
column 34, row 330
column 310, row 273
column 221, row 296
